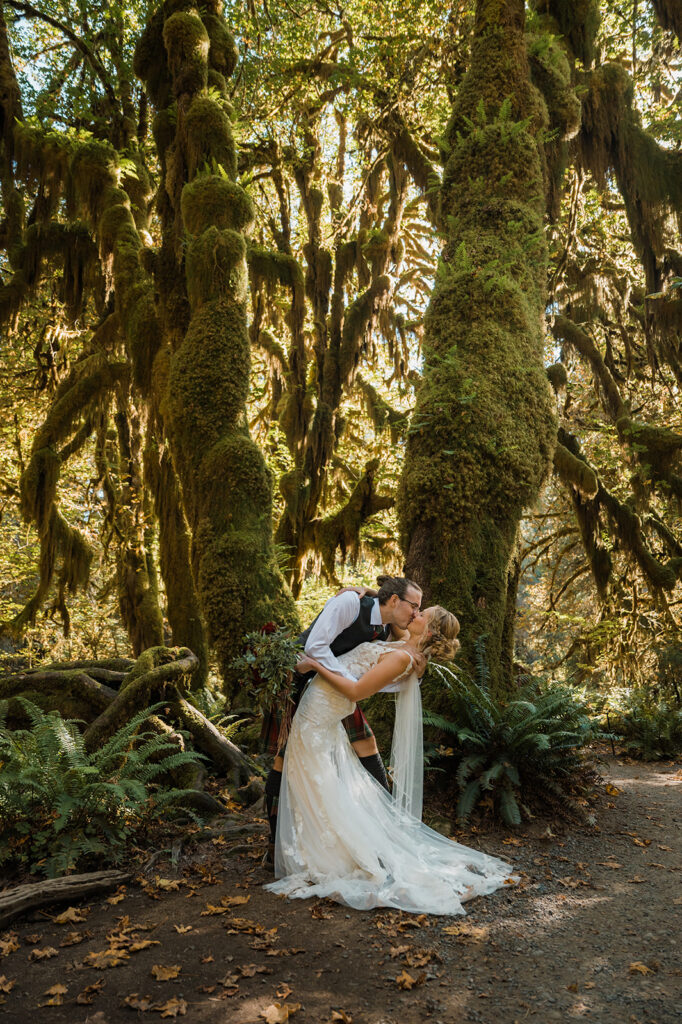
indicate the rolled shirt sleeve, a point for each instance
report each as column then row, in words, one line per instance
column 338, row 614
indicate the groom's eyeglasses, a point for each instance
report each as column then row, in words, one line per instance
column 412, row 604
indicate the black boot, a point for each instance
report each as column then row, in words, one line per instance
column 375, row 766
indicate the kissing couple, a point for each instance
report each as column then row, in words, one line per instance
column 337, row 830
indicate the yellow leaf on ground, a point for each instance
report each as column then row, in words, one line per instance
column 73, row 938
column 72, row 915
column 106, row 958
column 468, row 931
column 398, row 951
column 637, row 878
column 278, row 1013
column 640, row 968
column 609, row 864
column 162, row 973
column 613, row 790
column 88, row 994
column 406, row 982
column 182, row 929
column 6, row 985
column 167, row 884
column 42, row 954
column 115, row 899
column 9, row 945
column 341, row 1015
column 234, row 901
column 136, row 1002
column 139, row 944
column 173, row 1008
column 210, row 909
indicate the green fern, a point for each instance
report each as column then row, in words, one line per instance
column 62, row 807
column 507, row 751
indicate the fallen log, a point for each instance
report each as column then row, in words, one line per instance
column 70, row 888
column 211, row 741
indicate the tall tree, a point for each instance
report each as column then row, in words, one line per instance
column 484, row 426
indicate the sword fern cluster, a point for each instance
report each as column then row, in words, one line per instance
column 518, row 752
column 62, row 807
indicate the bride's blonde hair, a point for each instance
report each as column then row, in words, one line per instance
column 439, row 640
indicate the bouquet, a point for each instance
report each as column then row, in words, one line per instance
column 266, row 667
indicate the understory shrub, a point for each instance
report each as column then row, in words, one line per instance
column 649, row 727
column 517, row 753
column 63, row 808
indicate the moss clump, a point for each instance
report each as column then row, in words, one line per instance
column 187, row 45
column 215, row 265
column 209, row 137
column 482, row 435
column 213, row 200
column 557, row 376
column 223, row 53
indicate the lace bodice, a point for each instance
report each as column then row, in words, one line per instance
column 322, row 703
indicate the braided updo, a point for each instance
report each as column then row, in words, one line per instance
column 439, row 640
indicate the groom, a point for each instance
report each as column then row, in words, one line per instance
column 346, row 621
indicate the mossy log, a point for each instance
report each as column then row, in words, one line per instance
column 67, row 685
column 148, row 681
column 210, row 740
column 484, row 428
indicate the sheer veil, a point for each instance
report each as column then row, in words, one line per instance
column 407, row 750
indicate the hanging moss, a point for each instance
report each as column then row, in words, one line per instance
column 483, row 430
column 575, row 471
column 223, row 53
column 381, row 414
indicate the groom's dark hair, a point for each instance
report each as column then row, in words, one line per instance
column 398, row 585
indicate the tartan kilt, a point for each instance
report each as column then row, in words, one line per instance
column 356, row 725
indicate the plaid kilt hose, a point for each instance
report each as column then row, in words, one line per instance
column 356, row 725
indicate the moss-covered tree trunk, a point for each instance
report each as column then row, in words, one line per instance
column 226, row 485
column 484, row 428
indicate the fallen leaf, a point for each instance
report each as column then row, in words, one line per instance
column 609, row 864
column 637, row 878
column 207, row 959
column 321, row 912
column 136, row 1002
column 162, row 973
column 476, row 933
column 235, row 901
column 56, row 990
column 249, row 970
column 106, row 958
column 284, row 952
column 33, row 939
column 406, row 982
column 211, row 909
column 612, row 790
column 73, row 938
column 42, row 954
column 139, row 944
column 9, row 945
column 173, row 1008
column 341, row 1015
column 572, row 988
column 418, row 959
column 640, row 968
column 88, row 994
column 278, row 1013
column 668, row 849
column 115, row 899
column 6, row 985
column 167, row 884
column 398, row 951
column 182, row 929
column 72, row 915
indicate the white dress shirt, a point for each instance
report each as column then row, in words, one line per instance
column 338, row 614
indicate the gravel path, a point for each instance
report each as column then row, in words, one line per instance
column 593, row 933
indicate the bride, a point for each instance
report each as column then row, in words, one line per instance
column 339, row 833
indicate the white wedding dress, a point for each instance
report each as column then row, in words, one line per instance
column 341, row 835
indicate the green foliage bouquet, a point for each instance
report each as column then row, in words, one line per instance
column 266, row 667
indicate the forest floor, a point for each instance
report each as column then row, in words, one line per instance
column 591, row 933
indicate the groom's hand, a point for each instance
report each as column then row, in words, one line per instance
column 360, row 591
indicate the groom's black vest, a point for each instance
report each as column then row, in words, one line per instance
column 357, row 633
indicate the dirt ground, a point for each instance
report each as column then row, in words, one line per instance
column 592, row 933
